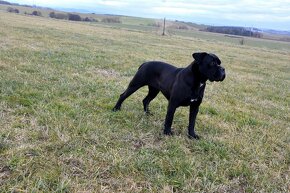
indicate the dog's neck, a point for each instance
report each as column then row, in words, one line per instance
column 196, row 73
column 198, row 80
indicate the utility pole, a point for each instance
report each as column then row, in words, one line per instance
column 163, row 27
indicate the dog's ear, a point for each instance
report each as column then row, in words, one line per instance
column 198, row 56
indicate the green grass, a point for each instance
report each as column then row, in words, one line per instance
column 59, row 81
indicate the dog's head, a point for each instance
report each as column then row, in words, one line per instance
column 209, row 65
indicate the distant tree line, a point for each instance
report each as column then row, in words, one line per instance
column 12, row 10
column 36, row 13
column 68, row 16
column 58, row 15
column 71, row 16
column 76, row 17
column 240, row 31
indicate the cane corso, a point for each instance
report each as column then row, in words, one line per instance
column 181, row 86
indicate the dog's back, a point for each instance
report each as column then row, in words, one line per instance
column 155, row 73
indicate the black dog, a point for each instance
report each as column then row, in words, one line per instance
column 181, row 86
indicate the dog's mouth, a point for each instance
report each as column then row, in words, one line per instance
column 218, row 78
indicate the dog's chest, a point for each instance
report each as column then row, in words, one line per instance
column 197, row 94
column 194, row 96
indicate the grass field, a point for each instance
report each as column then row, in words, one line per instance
column 59, row 81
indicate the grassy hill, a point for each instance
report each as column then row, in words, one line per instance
column 60, row 79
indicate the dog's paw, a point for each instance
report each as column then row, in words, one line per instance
column 168, row 132
column 116, row 109
column 148, row 113
column 193, row 136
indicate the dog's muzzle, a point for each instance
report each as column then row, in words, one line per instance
column 221, row 75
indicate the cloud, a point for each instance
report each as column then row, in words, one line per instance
column 113, row 3
column 177, row 10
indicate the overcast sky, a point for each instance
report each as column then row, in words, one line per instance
column 273, row 14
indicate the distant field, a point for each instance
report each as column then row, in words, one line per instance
column 45, row 13
column 147, row 24
column 60, row 79
column 23, row 9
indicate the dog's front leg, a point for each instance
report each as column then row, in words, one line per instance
column 169, row 118
column 192, row 117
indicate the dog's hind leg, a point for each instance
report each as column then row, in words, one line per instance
column 134, row 85
column 153, row 92
column 130, row 90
